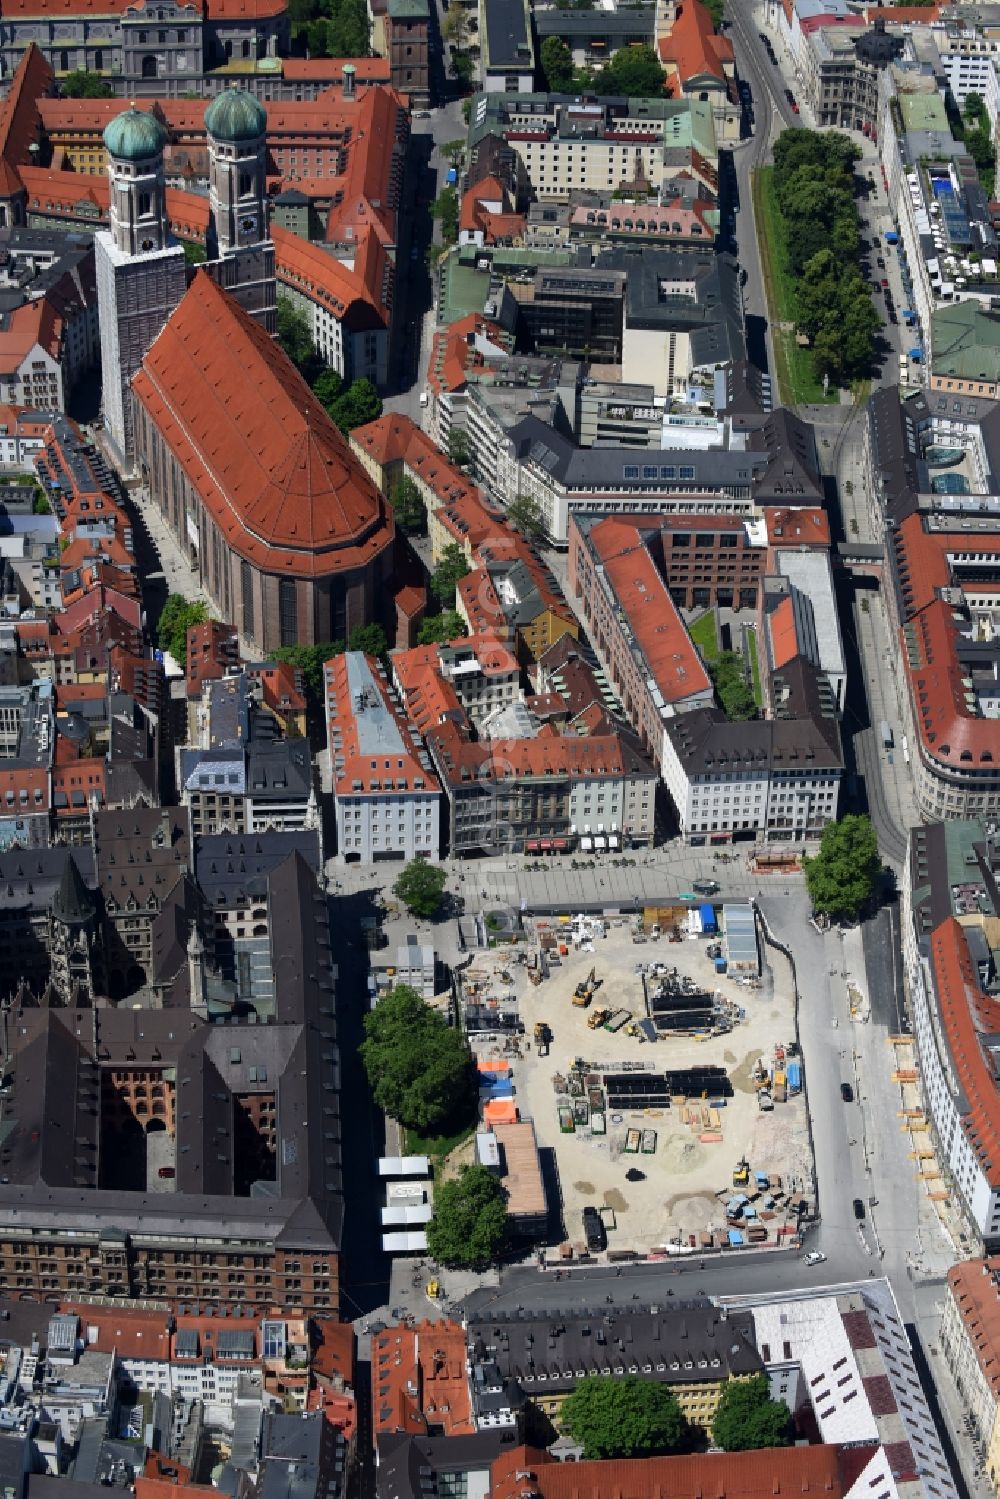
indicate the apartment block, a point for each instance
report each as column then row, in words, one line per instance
column 387, row 798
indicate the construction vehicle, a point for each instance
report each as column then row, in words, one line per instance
column 586, row 990
column 596, row 1018
column 617, row 1020
column 543, row 1037
column 741, row 1173
column 433, row 1290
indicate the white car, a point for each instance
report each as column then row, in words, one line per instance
column 814, row 1257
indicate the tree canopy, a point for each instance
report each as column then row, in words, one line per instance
column 408, row 506
column 458, row 446
column 420, row 887
column 368, row 638
column 746, row 1416
column 445, row 209
column 331, row 28
column 469, row 1224
column 295, row 338
column 81, row 84
column 525, row 515
column 446, row 575
column 814, row 191
column 630, row 1417
column 634, row 72
column 419, row 1067
column 178, row 615
column 310, row 660
column 557, row 65
column 448, row 625
column 731, row 686
column 841, row 877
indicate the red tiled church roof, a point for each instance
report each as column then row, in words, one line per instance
column 268, row 462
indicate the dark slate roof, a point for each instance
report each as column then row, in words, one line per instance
column 632, row 22
column 73, row 903
column 406, row 1462
column 30, row 878
column 230, row 866
column 707, row 743
column 507, row 33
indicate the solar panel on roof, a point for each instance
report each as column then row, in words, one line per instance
column 235, row 1340
column 187, row 1342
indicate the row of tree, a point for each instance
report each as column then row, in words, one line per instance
column 635, row 1418
column 633, row 72
column 350, row 405
column 814, row 192
column 331, row 28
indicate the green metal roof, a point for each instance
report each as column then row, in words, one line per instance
column 135, row 135
column 235, row 115
column 965, row 342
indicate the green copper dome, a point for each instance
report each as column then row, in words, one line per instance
column 235, row 116
column 135, row 135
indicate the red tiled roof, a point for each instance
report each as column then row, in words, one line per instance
column 652, row 616
column 19, row 123
column 807, row 526
column 974, row 1286
column 33, row 325
column 419, row 1378
column 968, row 1017
column 454, row 352
column 784, row 635
column 265, row 457
column 693, row 47
column 355, row 768
column 722, row 1475
column 366, row 69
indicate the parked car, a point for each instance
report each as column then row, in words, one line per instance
column 706, row 887
column 885, row 282
column 593, row 1228
column 859, row 1209
column 795, row 108
column 166, row 1172
column 847, row 1092
column 881, row 263
column 814, row 1257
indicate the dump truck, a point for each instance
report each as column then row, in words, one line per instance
column 741, row 1173
column 543, row 1037
column 779, row 1089
column 617, row 1020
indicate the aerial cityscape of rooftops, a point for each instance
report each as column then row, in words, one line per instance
column 500, row 749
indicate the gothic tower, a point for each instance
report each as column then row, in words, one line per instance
column 73, row 952
column 140, row 269
column 240, row 252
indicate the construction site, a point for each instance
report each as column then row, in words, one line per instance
column 658, row 1060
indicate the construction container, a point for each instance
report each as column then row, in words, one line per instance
column 794, row 1074
column 779, row 1089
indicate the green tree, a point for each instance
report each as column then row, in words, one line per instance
column 630, row 1417
column 634, row 72
column 461, row 68
column 81, row 84
column 746, row 1416
column 40, row 504
column 445, row 209
column 420, row 888
column 525, row 515
column 295, row 337
column 418, row 1066
column 368, row 638
column 453, row 151
column 408, row 506
column 359, row 404
column 328, row 387
column 347, row 29
column 455, row 27
column 449, row 625
column 458, row 446
column 841, row 878
column 445, row 577
column 715, row 9
column 731, row 687
column 557, row 65
column 469, row 1225
column 178, row 615
column 310, row 660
